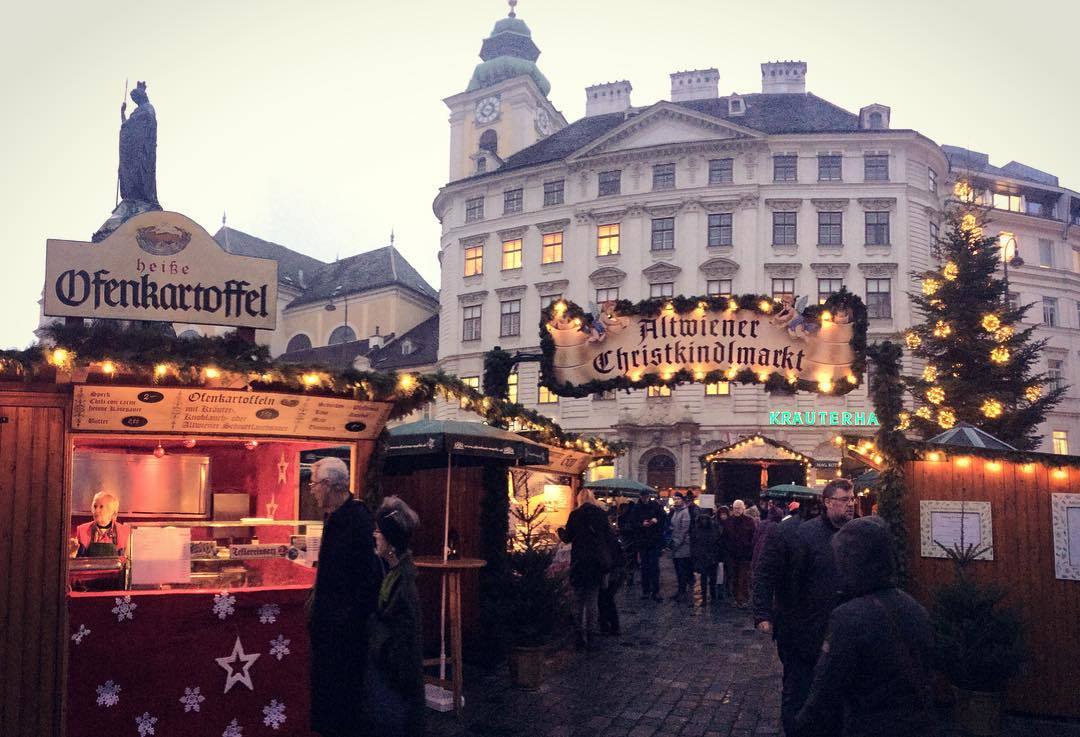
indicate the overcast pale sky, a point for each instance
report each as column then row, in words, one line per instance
column 320, row 124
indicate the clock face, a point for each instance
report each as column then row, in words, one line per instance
column 487, row 109
column 543, row 122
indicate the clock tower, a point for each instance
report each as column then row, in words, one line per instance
column 505, row 107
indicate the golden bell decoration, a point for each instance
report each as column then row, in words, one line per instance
column 1032, row 393
column 912, row 340
column 1000, row 355
column 991, row 323
column 942, row 329
column 946, row 418
column 930, row 373
column 992, row 408
column 951, row 271
column 930, row 286
column 1002, row 334
column 924, row 412
column 905, row 421
column 935, row 395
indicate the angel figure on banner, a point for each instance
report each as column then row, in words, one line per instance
column 603, row 320
column 791, row 317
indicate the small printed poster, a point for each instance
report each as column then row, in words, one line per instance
column 160, row 555
column 1065, row 511
column 946, row 525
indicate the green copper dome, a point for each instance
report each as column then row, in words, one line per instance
column 508, row 52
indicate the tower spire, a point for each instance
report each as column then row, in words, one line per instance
column 512, row 3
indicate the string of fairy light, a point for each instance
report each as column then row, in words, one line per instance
column 866, row 450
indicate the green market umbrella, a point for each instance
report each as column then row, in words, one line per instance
column 620, row 487
column 791, row 491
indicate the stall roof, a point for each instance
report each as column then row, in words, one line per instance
column 969, row 436
column 755, row 448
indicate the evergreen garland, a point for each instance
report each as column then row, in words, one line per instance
column 494, row 578
column 979, row 359
column 776, row 382
column 498, row 365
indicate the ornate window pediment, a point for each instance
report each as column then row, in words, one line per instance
column 719, row 268
column 830, row 205
column 877, row 204
column 784, row 205
column 473, row 298
column 474, row 240
column 551, row 288
column 715, row 206
column 512, row 233
column 783, row 270
column 515, row 292
column 830, row 270
column 600, row 217
column 553, row 226
column 661, row 272
column 662, row 211
column 879, row 269
column 607, row 276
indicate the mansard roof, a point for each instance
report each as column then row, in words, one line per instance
column 964, row 158
column 773, row 114
column 424, row 340
column 294, row 268
column 382, row 267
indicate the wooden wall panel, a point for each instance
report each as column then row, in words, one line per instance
column 1023, row 564
column 33, row 627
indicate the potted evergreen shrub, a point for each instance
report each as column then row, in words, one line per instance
column 979, row 645
column 532, row 595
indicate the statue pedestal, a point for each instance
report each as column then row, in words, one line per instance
column 126, row 210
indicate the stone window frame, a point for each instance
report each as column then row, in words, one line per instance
column 876, row 281
column 472, row 325
column 554, row 195
column 826, row 162
column 513, row 200
column 516, row 263
column 663, row 176
column 723, row 229
column 661, row 289
column 608, row 238
column 509, row 318
column 785, row 163
column 611, row 181
column 782, row 221
column 874, row 231
column 876, row 162
column 664, row 227
column 721, row 172
column 474, row 209
column 826, row 228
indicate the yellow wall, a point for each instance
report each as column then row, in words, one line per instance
column 394, row 311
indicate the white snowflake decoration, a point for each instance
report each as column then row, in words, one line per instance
column 224, row 604
column 274, row 714
column 125, row 608
column 82, row 632
column 268, row 613
column 279, row 647
column 108, row 694
column 146, row 724
column 192, row 698
column 233, row 730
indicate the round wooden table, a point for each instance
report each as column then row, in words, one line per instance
column 450, row 570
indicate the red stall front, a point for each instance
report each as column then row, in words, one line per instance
column 188, row 617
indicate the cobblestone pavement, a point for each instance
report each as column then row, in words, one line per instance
column 676, row 670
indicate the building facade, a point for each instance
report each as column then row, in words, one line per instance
column 773, row 192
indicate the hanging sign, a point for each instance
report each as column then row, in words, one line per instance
column 704, row 340
column 161, row 267
column 198, row 411
column 823, row 417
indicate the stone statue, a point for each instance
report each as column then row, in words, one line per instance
column 138, row 149
column 138, row 163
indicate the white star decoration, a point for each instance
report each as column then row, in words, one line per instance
column 241, row 675
column 282, row 468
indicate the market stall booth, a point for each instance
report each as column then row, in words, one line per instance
column 749, row 466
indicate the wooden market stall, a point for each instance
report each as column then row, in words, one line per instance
column 743, row 469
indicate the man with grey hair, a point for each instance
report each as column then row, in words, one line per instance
column 346, row 587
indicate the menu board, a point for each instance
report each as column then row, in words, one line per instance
column 197, row 411
column 1065, row 514
column 944, row 525
column 161, row 555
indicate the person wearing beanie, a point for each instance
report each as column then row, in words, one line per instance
column 395, row 686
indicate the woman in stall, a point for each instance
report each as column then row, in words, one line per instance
column 103, row 535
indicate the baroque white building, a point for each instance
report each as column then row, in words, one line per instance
column 775, row 191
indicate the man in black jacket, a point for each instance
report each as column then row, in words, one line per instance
column 873, row 676
column 649, row 522
column 795, row 590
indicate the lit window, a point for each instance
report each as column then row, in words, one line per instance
column 1061, row 442
column 1055, row 373
column 877, row 228
column 512, row 200
column 552, row 248
column 829, row 167
column 718, row 287
column 1050, row 312
column 931, row 177
column 607, row 239
column 876, row 168
column 721, row 171
column 511, row 254
column 474, row 260
column 547, row 396
column 827, row 288
column 553, row 192
column 610, row 182
column 663, row 176
column 783, row 288
column 720, row 229
column 658, row 391
column 474, row 209
column 512, row 387
column 663, row 234
column 473, row 382
column 718, row 389
column 662, row 289
column 470, row 323
column 1010, row 202
column 830, row 228
column 785, row 168
column 1046, row 253
column 510, row 318
column 784, row 228
column 879, row 298
column 611, row 294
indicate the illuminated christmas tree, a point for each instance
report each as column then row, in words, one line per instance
column 979, row 360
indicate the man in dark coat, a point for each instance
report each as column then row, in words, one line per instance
column 739, row 531
column 346, row 586
column 795, row 590
column 591, row 537
column 649, row 522
column 872, row 677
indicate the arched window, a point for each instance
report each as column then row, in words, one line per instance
column 342, row 334
column 298, row 342
column 188, row 334
column 660, row 471
column 489, row 141
column 877, row 122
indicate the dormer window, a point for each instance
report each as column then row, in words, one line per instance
column 736, row 106
column 481, row 165
column 407, row 347
column 874, row 117
column 876, row 121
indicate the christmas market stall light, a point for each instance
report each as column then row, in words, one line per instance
column 579, row 331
